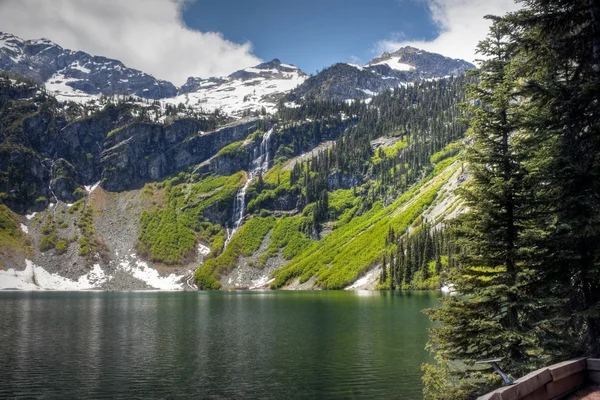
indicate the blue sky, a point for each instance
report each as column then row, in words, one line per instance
column 313, row 34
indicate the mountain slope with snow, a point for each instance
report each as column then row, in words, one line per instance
column 75, row 75
column 78, row 76
column 424, row 64
column 243, row 91
column 348, row 81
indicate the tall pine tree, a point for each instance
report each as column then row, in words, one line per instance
column 559, row 53
column 494, row 315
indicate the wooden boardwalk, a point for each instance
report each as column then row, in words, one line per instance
column 577, row 379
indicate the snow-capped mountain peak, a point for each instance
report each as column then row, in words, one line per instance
column 76, row 75
column 81, row 77
column 249, row 89
column 348, row 81
column 394, row 62
column 428, row 65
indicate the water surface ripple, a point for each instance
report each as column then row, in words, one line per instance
column 223, row 345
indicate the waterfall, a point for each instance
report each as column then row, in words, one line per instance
column 50, row 186
column 261, row 159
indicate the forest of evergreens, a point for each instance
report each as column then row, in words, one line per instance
column 527, row 267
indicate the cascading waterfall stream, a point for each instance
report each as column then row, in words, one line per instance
column 51, row 170
column 260, row 165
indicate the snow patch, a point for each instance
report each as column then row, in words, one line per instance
column 80, row 68
column 368, row 92
column 394, row 63
column 91, row 280
column 143, row 272
column 18, row 280
column 35, row 277
column 261, row 282
column 90, row 189
column 364, row 280
column 24, row 228
column 203, row 250
column 358, row 67
column 57, row 84
column 29, row 216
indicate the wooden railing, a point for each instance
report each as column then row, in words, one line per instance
column 549, row 383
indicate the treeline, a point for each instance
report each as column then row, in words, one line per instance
column 528, row 270
column 412, row 260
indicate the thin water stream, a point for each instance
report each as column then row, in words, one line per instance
column 260, row 164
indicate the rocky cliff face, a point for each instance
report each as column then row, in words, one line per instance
column 75, row 73
column 47, row 155
column 141, row 151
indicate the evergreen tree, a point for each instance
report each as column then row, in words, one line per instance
column 383, row 276
column 559, row 53
column 494, row 316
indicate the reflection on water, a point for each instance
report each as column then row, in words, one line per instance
column 213, row 345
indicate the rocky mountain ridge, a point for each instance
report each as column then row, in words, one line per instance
column 78, row 76
column 344, row 81
column 255, row 88
column 75, row 75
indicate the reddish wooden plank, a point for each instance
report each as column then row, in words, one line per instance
column 539, row 394
column 490, row 396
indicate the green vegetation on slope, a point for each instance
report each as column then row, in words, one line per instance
column 12, row 238
column 288, row 237
column 234, row 149
column 244, row 243
column 169, row 233
column 340, row 257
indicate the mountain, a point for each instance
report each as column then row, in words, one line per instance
column 75, row 75
column 422, row 63
column 80, row 77
column 348, row 81
column 125, row 193
column 243, row 91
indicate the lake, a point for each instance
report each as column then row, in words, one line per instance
column 217, row 345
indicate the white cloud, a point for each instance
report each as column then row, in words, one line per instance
column 144, row 34
column 461, row 25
